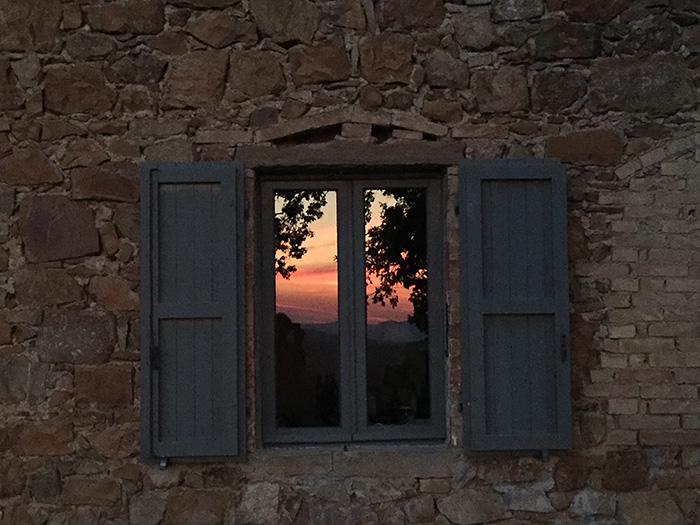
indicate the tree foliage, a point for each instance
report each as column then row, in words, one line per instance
column 395, row 249
column 395, row 252
column 292, row 226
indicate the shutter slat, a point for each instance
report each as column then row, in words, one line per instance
column 514, row 304
column 192, row 297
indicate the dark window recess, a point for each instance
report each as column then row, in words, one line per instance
column 514, row 305
column 192, row 310
column 357, row 326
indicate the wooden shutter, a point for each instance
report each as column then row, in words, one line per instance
column 192, row 313
column 514, row 304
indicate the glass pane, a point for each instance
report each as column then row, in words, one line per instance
column 396, row 278
column 307, row 349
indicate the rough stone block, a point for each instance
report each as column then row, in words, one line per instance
column 30, row 26
column 146, row 509
column 117, row 442
column 625, row 471
column 472, row 506
column 77, row 89
column 108, row 385
column 254, row 73
column 45, row 438
column 114, row 293
column 76, row 337
column 473, row 28
column 204, row 507
column 28, row 167
column 443, row 70
column 501, row 91
column 132, row 16
column 561, row 39
column 288, row 21
column 387, row 58
column 598, row 147
column 37, row 286
column 90, row 491
column 325, row 61
column 411, row 14
column 596, row 11
column 217, row 29
column 196, row 79
column 511, row 10
column 114, row 182
column 651, row 508
column 656, row 85
column 54, row 227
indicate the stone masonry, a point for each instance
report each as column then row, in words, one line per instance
column 90, row 89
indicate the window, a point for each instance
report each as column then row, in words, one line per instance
column 352, row 310
column 349, row 369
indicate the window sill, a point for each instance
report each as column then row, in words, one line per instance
column 390, row 461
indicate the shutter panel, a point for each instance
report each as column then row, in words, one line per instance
column 192, row 309
column 514, row 304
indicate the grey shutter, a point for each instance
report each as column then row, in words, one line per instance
column 192, row 313
column 514, row 304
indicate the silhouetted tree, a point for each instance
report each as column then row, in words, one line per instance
column 299, row 209
column 395, row 251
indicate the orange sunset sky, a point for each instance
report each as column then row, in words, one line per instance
column 310, row 295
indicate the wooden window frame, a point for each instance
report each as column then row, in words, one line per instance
column 350, row 186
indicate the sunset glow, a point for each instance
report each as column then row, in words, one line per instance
column 310, row 295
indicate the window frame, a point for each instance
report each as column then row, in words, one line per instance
column 350, row 186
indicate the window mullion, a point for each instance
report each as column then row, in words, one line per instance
column 360, row 310
column 347, row 305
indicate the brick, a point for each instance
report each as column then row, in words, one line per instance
column 676, row 438
column 674, row 360
column 674, row 406
column 675, row 329
column 109, row 385
column 649, row 422
column 687, row 376
column 662, row 270
column 623, row 406
column 611, row 360
column 625, row 255
column 624, row 285
column 682, row 285
column 622, row 438
column 643, row 376
column 669, row 392
column 589, row 269
column 692, row 421
column 622, row 332
column 610, row 390
column 646, row 345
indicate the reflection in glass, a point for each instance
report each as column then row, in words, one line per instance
column 397, row 305
column 307, row 350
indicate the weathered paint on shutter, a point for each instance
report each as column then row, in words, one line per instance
column 514, row 305
column 192, row 313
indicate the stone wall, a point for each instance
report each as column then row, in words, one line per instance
column 88, row 90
